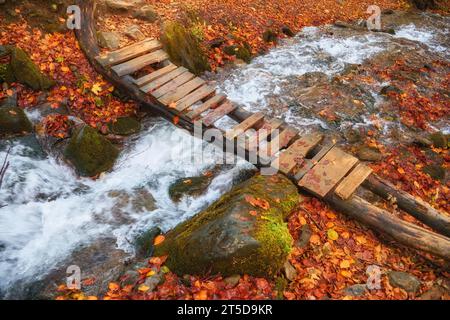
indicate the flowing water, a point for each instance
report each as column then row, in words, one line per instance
column 46, row 211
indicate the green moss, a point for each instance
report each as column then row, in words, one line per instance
column 184, row 48
column 281, row 284
column 192, row 186
column 125, row 126
column 13, row 121
column 3, row 69
column 90, row 152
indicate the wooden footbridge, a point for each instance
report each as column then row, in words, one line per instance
column 314, row 162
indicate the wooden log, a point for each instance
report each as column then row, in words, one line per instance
column 404, row 232
column 419, row 209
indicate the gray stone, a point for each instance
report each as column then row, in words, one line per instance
column 153, row 281
column 355, row 290
column 366, row 153
column 304, row 236
column 144, row 242
column 134, row 32
column 435, row 171
column 404, row 280
column 289, row 271
column 130, row 278
column 108, row 40
column 232, row 280
column 146, row 13
column 123, row 5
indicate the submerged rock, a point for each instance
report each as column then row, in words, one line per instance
column 242, row 233
column 14, row 121
column 184, row 48
column 190, row 186
column 23, row 70
column 90, row 152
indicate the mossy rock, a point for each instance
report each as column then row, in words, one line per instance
column 439, row 140
column 270, row 36
column 435, row 171
column 189, row 186
column 287, row 31
column 243, row 52
column 184, row 48
column 3, row 70
column 125, row 126
column 232, row 236
column 90, row 152
column 23, row 70
column 13, row 122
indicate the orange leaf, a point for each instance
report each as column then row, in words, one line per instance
column 175, row 120
column 159, row 239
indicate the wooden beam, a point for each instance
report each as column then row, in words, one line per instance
column 211, row 103
column 181, row 91
column 154, row 75
column 155, row 84
column 138, row 63
column 277, row 143
column 263, row 133
column 194, row 97
column 218, row 113
column 248, row 123
column 172, row 85
column 352, row 181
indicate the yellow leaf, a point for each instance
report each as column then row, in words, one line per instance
column 332, row 234
column 401, row 171
column 201, row 295
column 346, row 273
column 92, row 298
column 361, row 240
column 150, row 273
column 96, row 88
column 113, row 286
column 143, row 288
column 65, row 69
column 345, row 264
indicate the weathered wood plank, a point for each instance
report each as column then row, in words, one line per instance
column 130, row 52
column 155, row 84
column 248, row 123
column 278, row 142
column 194, row 97
column 261, row 135
column 351, row 182
column 308, row 164
column 211, row 103
column 138, row 63
column 218, row 113
column 295, row 154
column 328, row 172
column 154, row 75
column 172, row 84
column 181, row 91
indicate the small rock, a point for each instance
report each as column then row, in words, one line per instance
column 435, row 171
column 422, row 141
column 435, row 293
column 123, row 5
column 355, row 290
column 189, row 186
column 134, row 32
column 155, row 280
column 232, row 280
column 366, row 153
column 439, row 139
column 130, row 278
column 352, row 135
column 108, row 40
column 305, row 235
column 404, row 280
column 146, row 13
column 287, row 31
column 270, row 36
column 289, row 271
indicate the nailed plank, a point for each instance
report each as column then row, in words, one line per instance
column 245, row 125
column 155, row 84
column 261, row 135
column 172, row 84
column 138, row 63
column 295, row 154
column 194, row 97
column 277, row 143
column 181, row 91
column 351, row 182
column 211, row 103
column 218, row 113
column 130, row 52
column 311, row 163
column 154, row 75
column 328, row 172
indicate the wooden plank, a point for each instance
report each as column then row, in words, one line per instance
column 245, row 125
column 155, row 84
column 130, row 52
column 218, row 113
column 194, row 97
column 277, row 143
column 312, row 162
column 172, row 84
column 138, row 63
column 181, row 91
column 295, row 154
column 211, row 103
column 261, row 135
column 351, row 182
column 328, row 172
column 154, row 75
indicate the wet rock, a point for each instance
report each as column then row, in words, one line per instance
column 134, row 32
column 233, row 236
column 184, row 48
column 355, row 290
column 287, row 31
column 439, row 140
column 131, row 277
column 424, row 4
column 232, row 280
column 243, row 175
column 146, row 13
column 13, row 122
column 144, row 242
column 108, row 40
column 125, row 126
column 270, row 36
column 243, row 52
column 89, row 152
column 366, row 153
column 388, row 89
column 189, row 186
column 353, row 135
column 304, row 236
column 437, row 172
column 404, row 280
column 289, row 271
column 23, row 70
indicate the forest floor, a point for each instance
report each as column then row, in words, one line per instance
column 339, row 250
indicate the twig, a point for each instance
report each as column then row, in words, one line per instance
column 4, row 167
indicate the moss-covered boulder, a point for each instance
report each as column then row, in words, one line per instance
column 22, row 69
column 13, row 121
column 243, row 52
column 270, row 36
column 184, row 48
column 189, row 186
column 244, row 232
column 439, row 140
column 125, row 126
column 90, row 152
